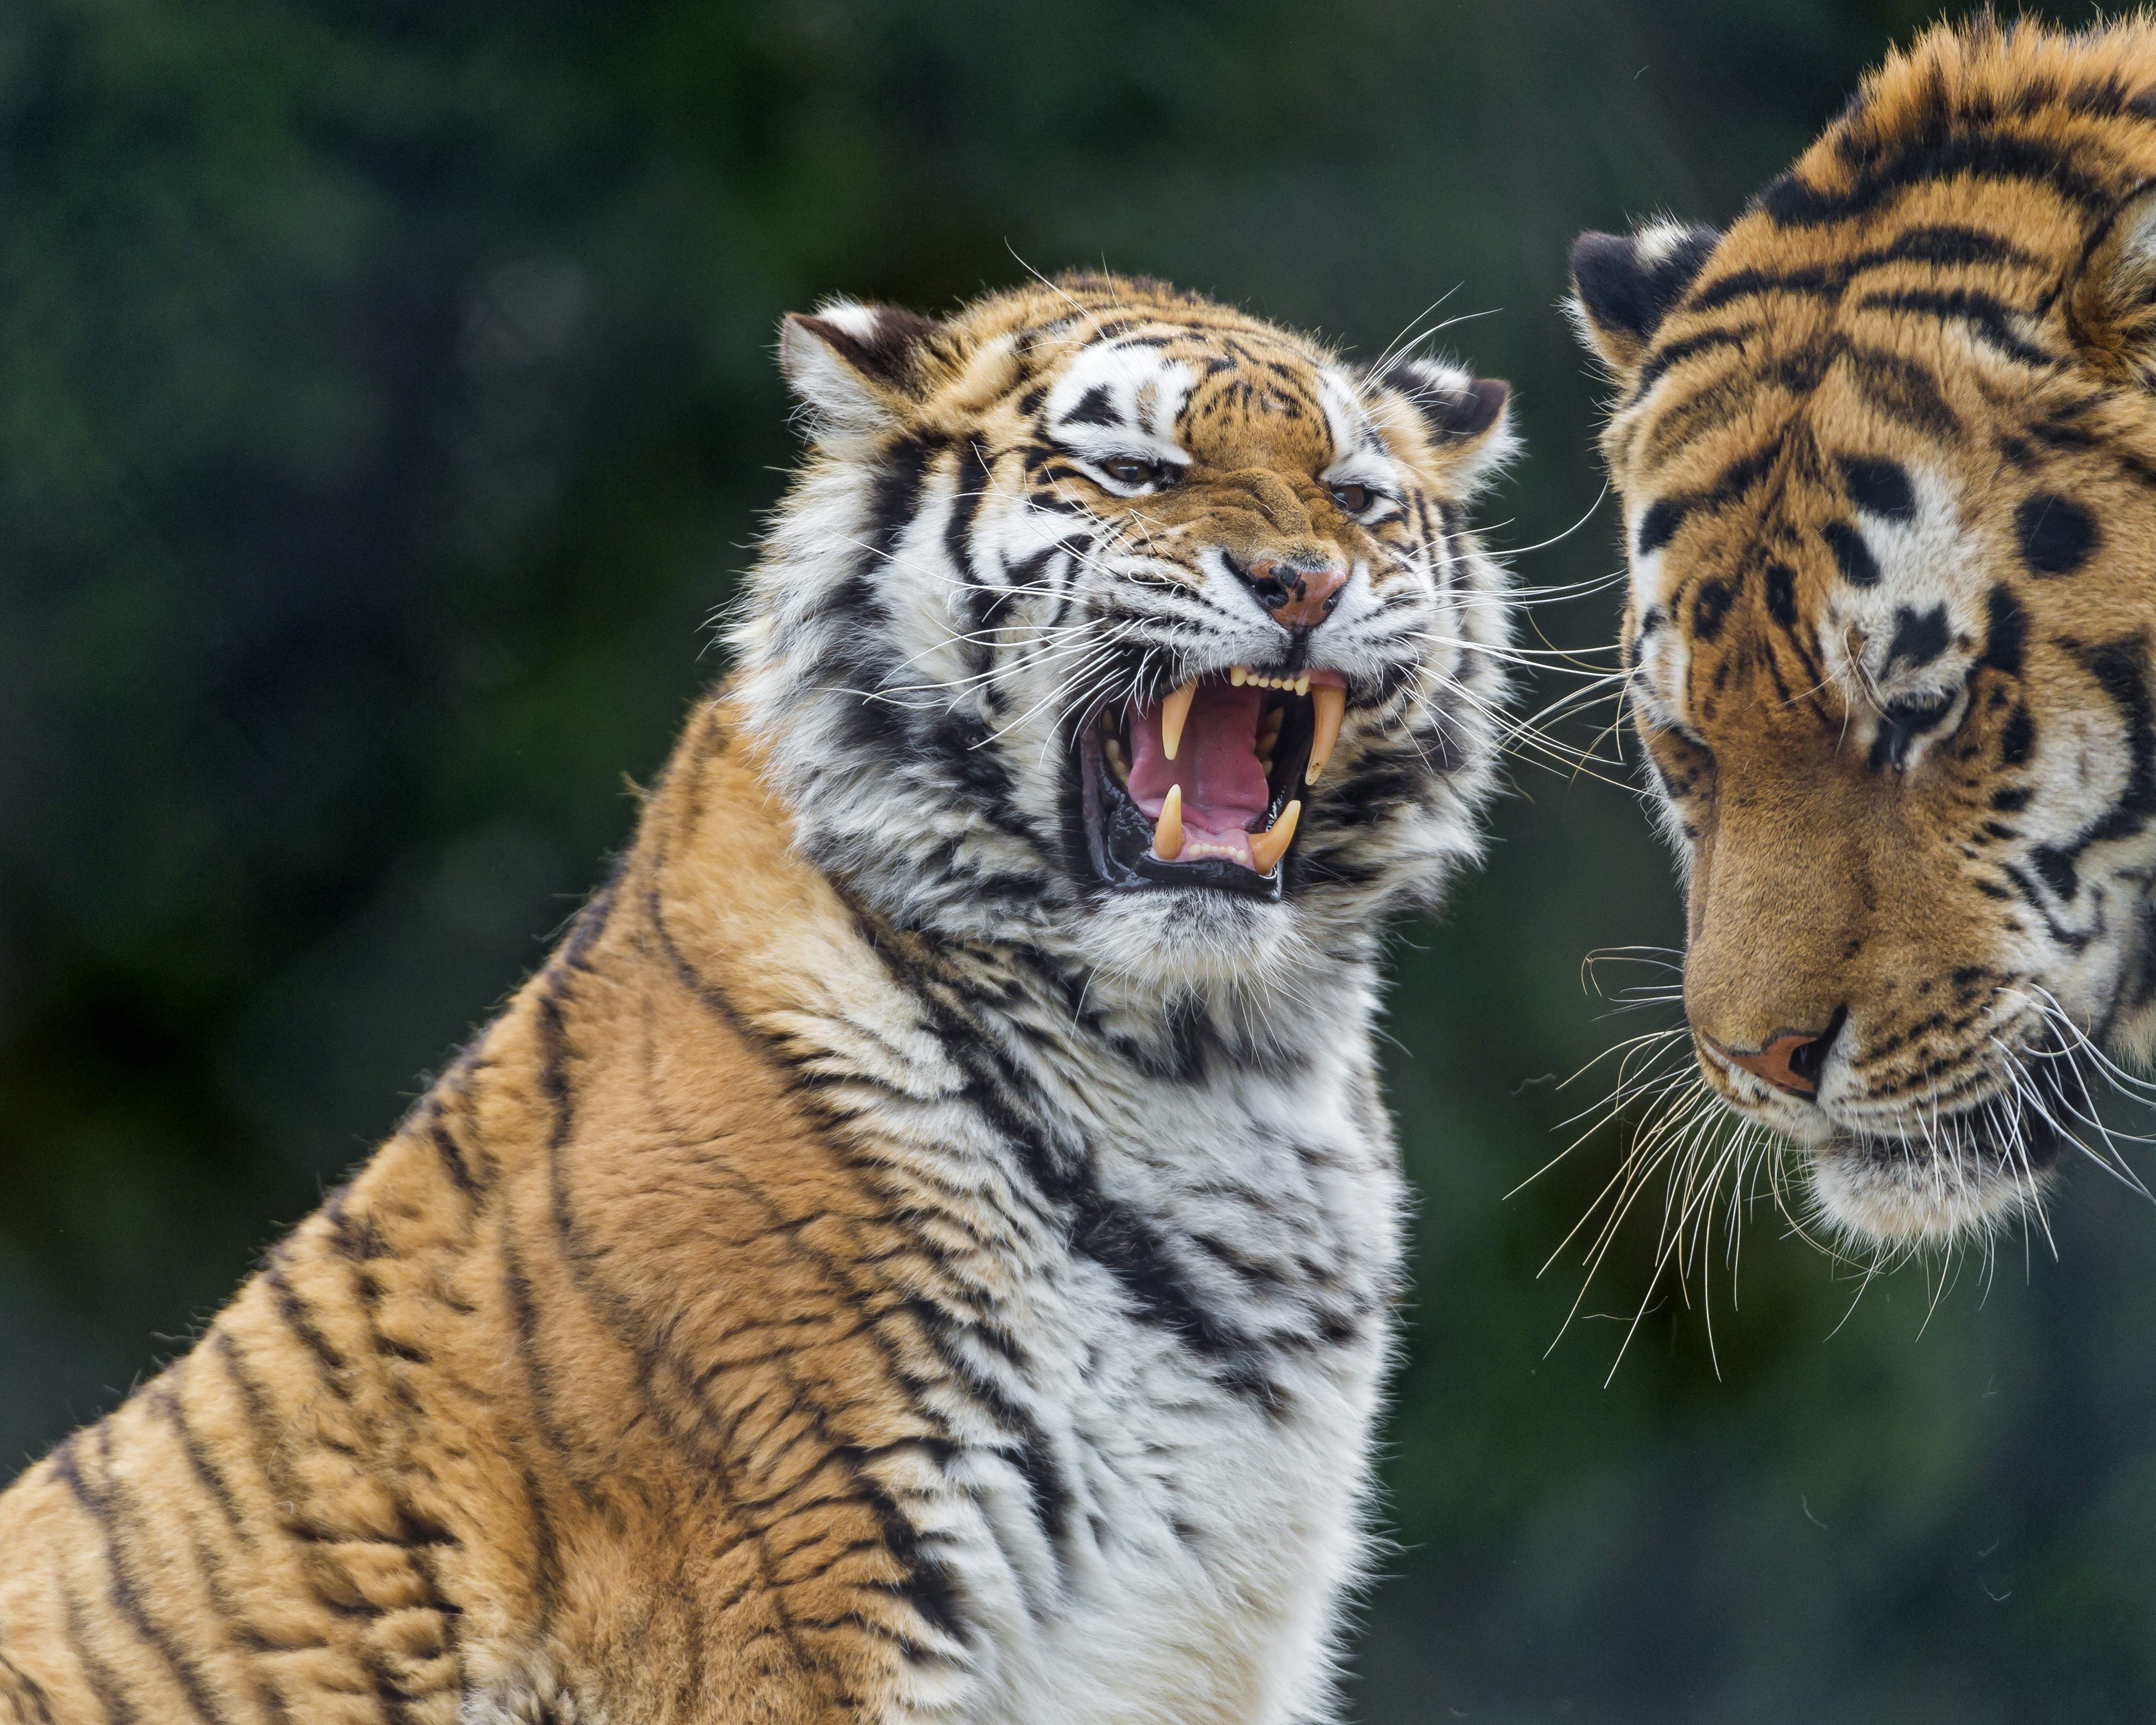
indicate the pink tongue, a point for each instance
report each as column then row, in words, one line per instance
column 1216, row 763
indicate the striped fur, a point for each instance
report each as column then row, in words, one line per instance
column 1888, row 450
column 873, row 1271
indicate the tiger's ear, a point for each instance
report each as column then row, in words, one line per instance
column 857, row 367
column 2111, row 296
column 1624, row 285
column 1468, row 419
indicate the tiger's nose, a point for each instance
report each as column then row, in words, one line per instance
column 1791, row 1060
column 1298, row 599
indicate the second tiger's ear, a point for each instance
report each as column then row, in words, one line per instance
column 1624, row 285
column 858, row 368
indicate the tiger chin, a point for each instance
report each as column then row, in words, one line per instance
column 1887, row 453
column 924, row 1247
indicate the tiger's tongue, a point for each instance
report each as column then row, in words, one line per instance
column 1216, row 763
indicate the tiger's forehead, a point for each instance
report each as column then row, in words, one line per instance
column 1229, row 397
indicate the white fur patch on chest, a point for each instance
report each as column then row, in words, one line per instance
column 1171, row 1540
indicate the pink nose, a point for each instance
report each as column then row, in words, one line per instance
column 1789, row 1060
column 1299, row 599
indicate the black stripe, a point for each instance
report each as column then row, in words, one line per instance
column 895, row 497
column 122, row 1588
column 1677, row 351
column 966, row 502
column 2007, row 636
column 165, row 1400
column 1946, row 245
column 1903, row 390
column 1095, row 407
column 453, row 1156
column 104, row 1681
column 1985, row 315
column 298, row 1319
column 23, row 1684
column 1924, row 157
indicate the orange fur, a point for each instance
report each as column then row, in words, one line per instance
column 1857, row 689
column 578, row 1364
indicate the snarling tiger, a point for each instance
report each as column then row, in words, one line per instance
column 923, row 1247
column 1887, row 454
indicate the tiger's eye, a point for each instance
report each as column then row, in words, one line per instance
column 1126, row 471
column 1354, row 499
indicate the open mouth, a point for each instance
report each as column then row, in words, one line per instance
column 1205, row 787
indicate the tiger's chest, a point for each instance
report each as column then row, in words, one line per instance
column 1169, row 1496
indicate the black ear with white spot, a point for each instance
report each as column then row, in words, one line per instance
column 1624, row 285
column 1466, row 419
column 857, row 367
column 2110, row 300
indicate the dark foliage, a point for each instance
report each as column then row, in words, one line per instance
column 386, row 396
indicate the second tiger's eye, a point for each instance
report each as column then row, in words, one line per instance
column 1354, row 499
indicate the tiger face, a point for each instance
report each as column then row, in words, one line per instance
column 1887, row 455
column 1110, row 619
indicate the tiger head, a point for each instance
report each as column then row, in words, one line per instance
column 1887, row 454
column 1108, row 619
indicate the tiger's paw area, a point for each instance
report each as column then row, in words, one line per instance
column 1887, row 451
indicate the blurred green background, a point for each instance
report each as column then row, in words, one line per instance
column 386, row 403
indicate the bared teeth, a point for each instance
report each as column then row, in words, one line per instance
column 1267, row 849
column 1114, row 750
column 1238, row 674
column 1167, row 831
column 1173, row 711
column 1331, row 704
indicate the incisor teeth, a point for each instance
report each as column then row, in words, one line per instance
column 1267, row 849
column 1238, row 674
column 1329, row 703
column 1167, row 831
column 1173, row 711
column 1302, row 684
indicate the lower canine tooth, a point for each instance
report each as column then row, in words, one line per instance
column 1267, row 849
column 1173, row 711
column 1167, row 831
column 1330, row 704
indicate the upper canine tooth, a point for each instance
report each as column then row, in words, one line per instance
column 1330, row 704
column 1167, row 831
column 1267, row 849
column 1173, row 711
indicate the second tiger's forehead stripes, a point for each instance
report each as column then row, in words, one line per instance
column 1862, row 418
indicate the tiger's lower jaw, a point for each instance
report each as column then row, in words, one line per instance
column 1963, row 1180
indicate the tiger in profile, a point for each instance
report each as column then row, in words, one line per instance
column 1886, row 449
column 923, row 1247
